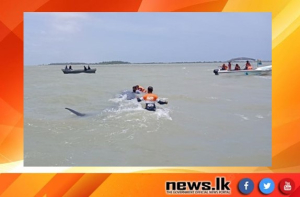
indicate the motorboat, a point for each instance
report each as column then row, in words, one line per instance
column 259, row 70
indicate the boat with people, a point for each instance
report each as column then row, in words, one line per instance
column 69, row 70
column 233, row 68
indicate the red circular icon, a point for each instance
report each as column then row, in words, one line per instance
column 287, row 186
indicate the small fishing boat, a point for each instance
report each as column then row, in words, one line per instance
column 71, row 71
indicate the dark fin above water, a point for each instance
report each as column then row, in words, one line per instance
column 75, row 112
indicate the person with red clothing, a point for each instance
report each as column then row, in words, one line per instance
column 229, row 66
column 237, row 67
column 224, row 67
column 248, row 66
column 151, row 99
column 140, row 88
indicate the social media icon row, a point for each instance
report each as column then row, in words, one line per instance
column 266, row 186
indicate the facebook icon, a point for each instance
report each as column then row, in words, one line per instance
column 246, row 186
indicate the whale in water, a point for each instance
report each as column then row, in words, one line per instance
column 75, row 112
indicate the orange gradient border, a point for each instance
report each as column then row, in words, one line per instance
column 113, row 185
column 285, row 96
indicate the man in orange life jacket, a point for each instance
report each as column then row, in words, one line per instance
column 150, row 100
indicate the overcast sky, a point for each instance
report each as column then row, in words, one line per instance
column 145, row 37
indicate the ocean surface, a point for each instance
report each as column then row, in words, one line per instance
column 209, row 121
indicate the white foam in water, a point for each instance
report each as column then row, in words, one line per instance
column 242, row 116
column 264, row 77
column 163, row 113
column 132, row 108
column 212, row 97
column 118, row 99
column 259, row 116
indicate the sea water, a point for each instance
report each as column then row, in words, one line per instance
column 209, row 121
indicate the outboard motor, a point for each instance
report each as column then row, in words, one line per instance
column 216, row 71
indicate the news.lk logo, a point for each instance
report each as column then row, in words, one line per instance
column 286, row 186
column 221, row 186
column 246, row 186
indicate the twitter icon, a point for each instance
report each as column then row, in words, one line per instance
column 266, row 186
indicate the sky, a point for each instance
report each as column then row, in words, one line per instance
column 145, row 37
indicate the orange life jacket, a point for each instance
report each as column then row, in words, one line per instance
column 150, row 97
column 224, row 67
column 249, row 67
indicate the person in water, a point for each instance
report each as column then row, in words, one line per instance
column 131, row 94
column 134, row 90
column 141, row 89
column 150, row 100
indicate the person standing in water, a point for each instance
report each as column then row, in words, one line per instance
column 151, row 99
column 140, row 88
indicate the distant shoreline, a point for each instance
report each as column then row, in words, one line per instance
column 122, row 62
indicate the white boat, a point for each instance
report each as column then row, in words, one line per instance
column 262, row 70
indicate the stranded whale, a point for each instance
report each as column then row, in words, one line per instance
column 75, row 112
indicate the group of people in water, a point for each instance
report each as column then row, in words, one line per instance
column 149, row 98
column 237, row 67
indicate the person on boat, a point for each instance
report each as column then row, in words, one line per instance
column 259, row 62
column 89, row 68
column 248, row 66
column 229, row 66
column 140, row 88
column 70, row 67
column 224, row 67
column 237, row 67
column 66, row 68
column 151, row 99
column 85, row 68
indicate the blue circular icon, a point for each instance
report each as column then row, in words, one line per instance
column 266, row 186
column 246, row 186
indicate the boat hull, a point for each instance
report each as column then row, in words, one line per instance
column 259, row 71
column 68, row 71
